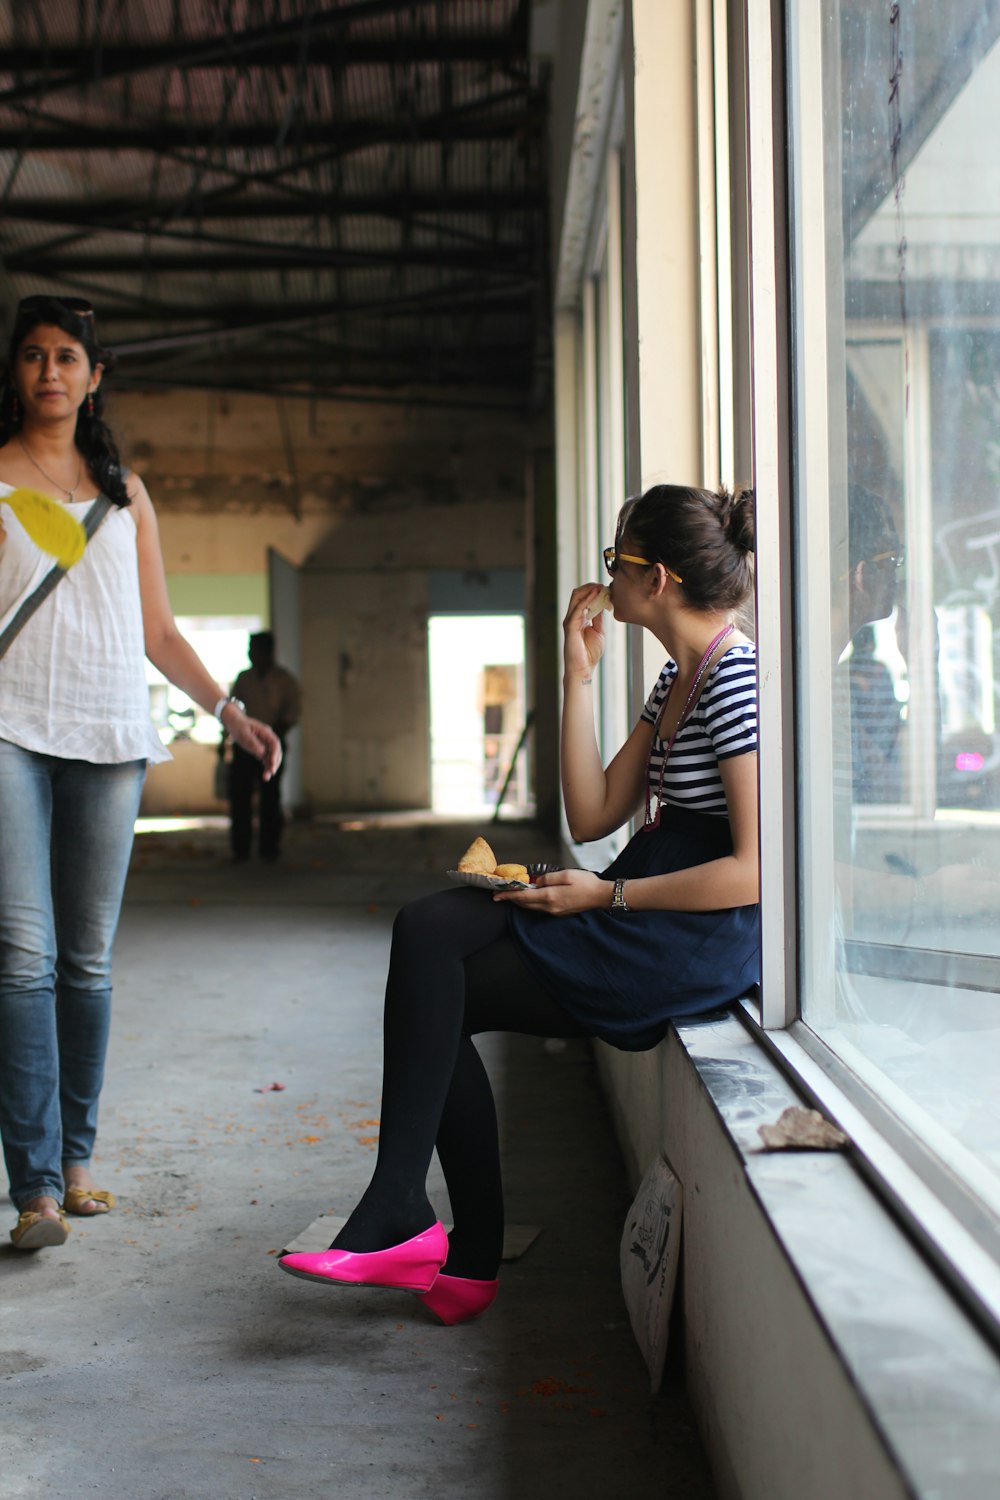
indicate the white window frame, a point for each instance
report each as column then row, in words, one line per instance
column 602, row 428
column 590, row 323
column 951, row 1225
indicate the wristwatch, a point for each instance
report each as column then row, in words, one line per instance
column 224, row 703
column 618, row 902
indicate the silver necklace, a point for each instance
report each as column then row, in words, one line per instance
column 70, row 494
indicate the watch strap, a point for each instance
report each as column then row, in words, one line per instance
column 618, row 902
column 224, row 703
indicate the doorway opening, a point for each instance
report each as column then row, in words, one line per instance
column 477, row 714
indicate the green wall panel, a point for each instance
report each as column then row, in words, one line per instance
column 219, row 594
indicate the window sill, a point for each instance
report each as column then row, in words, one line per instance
column 881, row 1156
column 922, row 1368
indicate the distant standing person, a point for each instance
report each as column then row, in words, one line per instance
column 270, row 694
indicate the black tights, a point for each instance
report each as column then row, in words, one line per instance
column 453, row 972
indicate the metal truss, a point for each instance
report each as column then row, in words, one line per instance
column 349, row 194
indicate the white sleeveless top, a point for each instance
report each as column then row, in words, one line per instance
column 73, row 683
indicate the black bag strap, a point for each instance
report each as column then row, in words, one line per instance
column 95, row 515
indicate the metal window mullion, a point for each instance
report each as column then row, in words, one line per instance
column 820, row 447
column 724, row 243
column 616, row 346
column 615, row 700
column 769, row 410
column 919, row 500
column 708, row 265
column 568, row 406
column 589, row 487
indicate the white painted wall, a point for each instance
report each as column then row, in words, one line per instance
column 345, row 491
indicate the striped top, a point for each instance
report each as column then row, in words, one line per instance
column 722, row 723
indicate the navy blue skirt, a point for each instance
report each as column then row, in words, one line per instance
column 624, row 978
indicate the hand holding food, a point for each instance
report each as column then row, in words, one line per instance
column 601, row 602
column 560, row 893
column 583, row 629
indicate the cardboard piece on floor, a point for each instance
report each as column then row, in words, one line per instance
column 650, row 1251
column 517, row 1238
column 317, row 1235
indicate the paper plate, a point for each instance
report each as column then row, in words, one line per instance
column 487, row 882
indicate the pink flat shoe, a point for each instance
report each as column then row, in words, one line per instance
column 456, row 1299
column 410, row 1267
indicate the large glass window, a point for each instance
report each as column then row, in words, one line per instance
column 895, row 239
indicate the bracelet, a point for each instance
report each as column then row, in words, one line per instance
column 224, row 703
column 618, row 902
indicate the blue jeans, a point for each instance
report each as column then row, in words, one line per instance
column 66, row 831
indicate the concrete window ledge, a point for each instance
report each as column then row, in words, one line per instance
column 824, row 1356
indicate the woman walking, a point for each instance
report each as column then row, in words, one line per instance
column 75, row 740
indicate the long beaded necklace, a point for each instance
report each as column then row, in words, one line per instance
column 652, row 820
column 70, row 494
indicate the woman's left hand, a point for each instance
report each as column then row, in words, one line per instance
column 562, row 892
column 256, row 739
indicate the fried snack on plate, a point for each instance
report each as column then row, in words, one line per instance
column 478, row 859
column 512, row 872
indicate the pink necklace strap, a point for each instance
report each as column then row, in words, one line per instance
column 652, row 820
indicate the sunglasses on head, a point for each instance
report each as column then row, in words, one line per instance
column 78, row 305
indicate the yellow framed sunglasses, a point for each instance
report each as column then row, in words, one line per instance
column 612, row 558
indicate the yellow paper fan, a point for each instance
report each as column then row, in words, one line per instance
column 49, row 525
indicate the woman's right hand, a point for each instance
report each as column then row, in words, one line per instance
column 255, row 738
column 583, row 643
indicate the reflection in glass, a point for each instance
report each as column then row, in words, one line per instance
column 910, row 254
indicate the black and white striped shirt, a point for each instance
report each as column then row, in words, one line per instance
column 722, row 723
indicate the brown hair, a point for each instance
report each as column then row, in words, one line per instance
column 705, row 536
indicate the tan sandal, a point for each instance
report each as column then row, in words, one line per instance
column 74, row 1199
column 33, row 1231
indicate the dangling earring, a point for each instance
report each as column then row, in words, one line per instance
column 90, row 405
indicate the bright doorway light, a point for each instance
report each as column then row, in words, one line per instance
column 477, row 712
column 221, row 641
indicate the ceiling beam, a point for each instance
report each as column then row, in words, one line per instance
column 121, row 213
column 252, row 49
column 241, row 324
column 247, row 136
column 374, row 392
column 492, row 260
column 286, row 42
column 443, row 367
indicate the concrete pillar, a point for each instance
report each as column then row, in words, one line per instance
column 661, row 250
column 663, row 363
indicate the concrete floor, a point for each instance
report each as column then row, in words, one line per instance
column 161, row 1354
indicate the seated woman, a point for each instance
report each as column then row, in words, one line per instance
column 669, row 929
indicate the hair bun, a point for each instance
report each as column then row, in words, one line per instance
column 738, row 517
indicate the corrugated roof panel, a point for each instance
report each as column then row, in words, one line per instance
column 378, row 185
